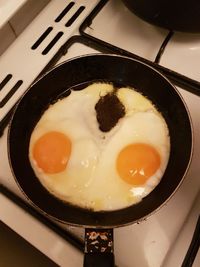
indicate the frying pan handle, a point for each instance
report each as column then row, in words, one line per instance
column 97, row 260
column 98, row 248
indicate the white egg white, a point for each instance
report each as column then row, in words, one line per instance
column 90, row 179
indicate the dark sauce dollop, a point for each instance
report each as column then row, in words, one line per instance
column 109, row 110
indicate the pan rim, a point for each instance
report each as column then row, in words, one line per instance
column 115, row 225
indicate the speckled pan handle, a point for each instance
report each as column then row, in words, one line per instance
column 99, row 248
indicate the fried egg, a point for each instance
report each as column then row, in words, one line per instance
column 80, row 164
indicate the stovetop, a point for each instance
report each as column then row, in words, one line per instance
column 112, row 28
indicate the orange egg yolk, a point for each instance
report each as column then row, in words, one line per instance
column 136, row 163
column 52, row 151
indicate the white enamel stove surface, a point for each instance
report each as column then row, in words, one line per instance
column 8, row 8
column 161, row 239
column 23, row 61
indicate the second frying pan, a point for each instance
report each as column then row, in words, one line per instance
column 174, row 15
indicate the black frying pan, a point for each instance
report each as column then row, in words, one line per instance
column 77, row 73
column 177, row 15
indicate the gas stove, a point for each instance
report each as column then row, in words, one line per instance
column 65, row 29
